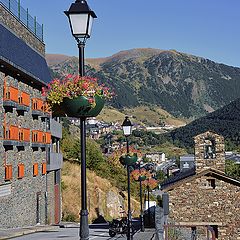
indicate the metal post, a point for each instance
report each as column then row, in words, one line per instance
column 141, row 211
column 81, row 46
column 149, row 222
column 84, row 228
column 19, row 9
column 35, row 25
column 42, row 32
column 129, row 232
column 27, row 18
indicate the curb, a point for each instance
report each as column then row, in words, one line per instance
column 25, row 231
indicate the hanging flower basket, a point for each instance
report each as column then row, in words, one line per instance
column 76, row 96
column 58, row 110
column 142, row 178
column 81, row 107
column 128, row 159
column 140, row 174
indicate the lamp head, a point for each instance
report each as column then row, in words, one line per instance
column 81, row 19
column 127, row 127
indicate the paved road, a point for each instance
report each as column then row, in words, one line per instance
column 97, row 232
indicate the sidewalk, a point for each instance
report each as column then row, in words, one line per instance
column 17, row 232
column 148, row 234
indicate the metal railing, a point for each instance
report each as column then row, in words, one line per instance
column 24, row 17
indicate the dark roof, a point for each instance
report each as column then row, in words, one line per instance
column 23, row 58
column 183, row 174
column 177, row 179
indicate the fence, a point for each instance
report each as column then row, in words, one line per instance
column 24, row 17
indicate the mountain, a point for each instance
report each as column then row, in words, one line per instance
column 224, row 121
column 53, row 59
column 182, row 84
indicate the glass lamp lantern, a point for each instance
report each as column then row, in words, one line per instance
column 81, row 19
column 127, row 127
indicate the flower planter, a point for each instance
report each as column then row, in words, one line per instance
column 142, row 178
column 128, row 160
column 80, row 107
column 58, row 111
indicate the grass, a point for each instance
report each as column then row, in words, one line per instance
column 144, row 115
column 103, row 198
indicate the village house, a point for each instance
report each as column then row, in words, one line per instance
column 205, row 196
column 30, row 158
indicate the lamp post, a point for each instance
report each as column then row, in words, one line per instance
column 81, row 18
column 141, row 208
column 127, row 131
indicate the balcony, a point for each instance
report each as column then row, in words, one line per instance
column 16, row 136
column 40, row 139
column 23, row 102
column 10, row 96
column 37, row 107
column 24, row 17
column 56, row 128
column 55, row 161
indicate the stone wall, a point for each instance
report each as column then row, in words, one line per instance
column 197, row 202
column 21, row 31
column 19, row 207
column 218, row 161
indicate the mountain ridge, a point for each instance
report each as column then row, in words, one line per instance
column 182, row 84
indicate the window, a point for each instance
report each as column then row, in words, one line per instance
column 8, row 172
column 20, row 170
column 211, row 183
column 35, row 169
column 20, row 100
column 34, row 136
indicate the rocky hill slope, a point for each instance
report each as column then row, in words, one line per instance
column 182, row 84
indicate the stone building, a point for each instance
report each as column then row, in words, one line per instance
column 30, row 160
column 206, row 196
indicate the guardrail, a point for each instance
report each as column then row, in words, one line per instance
column 14, row 7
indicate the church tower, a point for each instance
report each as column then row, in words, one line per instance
column 209, row 151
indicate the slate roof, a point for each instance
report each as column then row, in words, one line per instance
column 178, row 177
column 18, row 54
column 175, row 180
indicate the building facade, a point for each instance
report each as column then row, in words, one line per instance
column 206, row 196
column 30, row 159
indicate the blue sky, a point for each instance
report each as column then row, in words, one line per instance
column 207, row 28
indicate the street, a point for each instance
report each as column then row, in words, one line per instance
column 71, row 232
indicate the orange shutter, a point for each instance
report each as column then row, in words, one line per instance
column 20, row 170
column 13, row 94
column 40, row 105
column 25, row 99
column 14, row 133
column 44, row 168
column 26, row 134
column 40, row 136
column 8, row 172
column 48, row 138
column 35, row 169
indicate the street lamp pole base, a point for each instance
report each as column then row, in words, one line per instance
column 84, row 228
column 142, row 222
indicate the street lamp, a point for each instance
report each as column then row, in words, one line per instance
column 127, row 131
column 141, row 208
column 81, row 18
